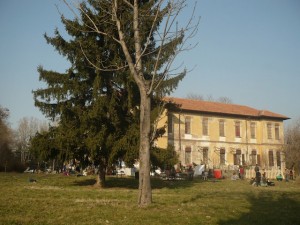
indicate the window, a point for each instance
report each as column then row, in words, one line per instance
column 222, row 128
column 243, row 159
column 238, row 129
column 271, row 158
column 252, row 130
column 187, row 125
column 258, row 160
column 205, row 155
column 269, row 130
column 170, row 123
column 222, row 156
column 205, row 126
column 253, row 157
column 188, row 155
column 277, row 131
column 278, row 158
column 237, row 157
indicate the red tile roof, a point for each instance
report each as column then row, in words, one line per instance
column 222, row 108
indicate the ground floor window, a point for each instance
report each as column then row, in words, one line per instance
column 222, row 156
column 243, row 159
column 188, row 155
column 253, row 157
column 258, row 160
column 278, row 157
column 271, row 158
column 205, row 155
column 237, row 157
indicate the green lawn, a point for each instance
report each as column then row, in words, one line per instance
column 57, row 199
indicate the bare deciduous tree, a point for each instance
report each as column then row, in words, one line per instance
column 209, row 98
column 292, row 146
column 225, row 100
column 27, row 128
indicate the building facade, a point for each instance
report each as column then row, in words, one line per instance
column 223, row 136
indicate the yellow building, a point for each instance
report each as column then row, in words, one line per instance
column 223, row 136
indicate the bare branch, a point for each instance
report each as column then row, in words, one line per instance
column 189, row 30
column 71, row 9
column 128, row 3
column 152, row 27
column 123, row 44
column 117, row 68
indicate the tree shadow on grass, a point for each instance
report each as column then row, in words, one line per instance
column 84, row 182
column 267, row 210
column 156, row 183
column 131, row 183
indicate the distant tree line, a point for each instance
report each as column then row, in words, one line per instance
column 6, row 159
column 15, row 154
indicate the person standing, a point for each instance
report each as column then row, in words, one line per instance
column 241, row 172
column 287, row 175
column 257, row 175
column 257, row 178
column 256, row 169
column 291, row 174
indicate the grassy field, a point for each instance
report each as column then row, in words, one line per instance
column 57, row 199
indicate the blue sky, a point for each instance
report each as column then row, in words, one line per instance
column 248, row 51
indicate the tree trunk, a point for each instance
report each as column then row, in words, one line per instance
column 101, row 176
column 145, row 193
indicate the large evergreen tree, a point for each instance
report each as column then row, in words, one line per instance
column 93, row 106
column 121, row 64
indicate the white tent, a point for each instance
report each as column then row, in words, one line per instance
column 198, row 170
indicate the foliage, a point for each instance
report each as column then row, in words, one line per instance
column 44, row 146
column 5, row 132
column 6, row 155
column 164, row 158
column 93, row 106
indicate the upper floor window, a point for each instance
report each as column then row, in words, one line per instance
column 238, row 129
column 277, row 131
column 205, row 126
column 269, row 130
column 252, row 130
column 187, row 127
column 170, row 123
column 222, row 128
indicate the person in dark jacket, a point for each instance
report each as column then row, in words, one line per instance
column 257, row 178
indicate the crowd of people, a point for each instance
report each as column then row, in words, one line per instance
column 262, row 180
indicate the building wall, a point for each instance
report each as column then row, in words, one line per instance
column 212, row 149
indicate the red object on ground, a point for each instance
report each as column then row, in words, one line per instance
column 218, row 174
